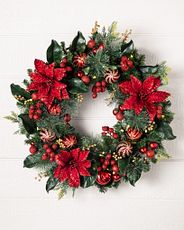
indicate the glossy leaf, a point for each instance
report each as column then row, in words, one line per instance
column 32, row 160
column 51, row 183
column 123, row 164
column 16, row 90
column 127, row 47
column 165, row 131
column 77, row 86
column 78, row 44
column 29, row 125
column 55, row 52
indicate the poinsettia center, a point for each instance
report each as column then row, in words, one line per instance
column 73, row 163
column 142, row 96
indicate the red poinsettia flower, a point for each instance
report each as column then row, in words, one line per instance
column 46, row 80
column 142, row 95
column 71, row 165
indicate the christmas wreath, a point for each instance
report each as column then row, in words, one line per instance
column 106, row 62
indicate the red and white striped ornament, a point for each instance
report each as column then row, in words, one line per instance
column 124, row 149
column 111, row 76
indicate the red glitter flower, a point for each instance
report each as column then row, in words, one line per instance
column 46, row 80
column 72, row 165
column 142, row 95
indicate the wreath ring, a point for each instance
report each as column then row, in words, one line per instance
column 107, row 62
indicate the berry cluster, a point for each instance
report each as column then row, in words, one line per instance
column 83, row 77
column 118, row 114
column 64, row 67
column 35, row 111
column 33, row 149
column 94, row 46
column 99, row 87
column 50, row 152
column 126, row 63
column 149, row 151
column 109, row 131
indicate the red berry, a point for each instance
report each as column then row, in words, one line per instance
column 115, row 136
column 143, row 150
column 119, row 116
column 45, row 146
column 102, row 160
column 150, row 153
column 102, row 89
column 44, row 157
column 116, row 177
column 105, row 128
column 115, row 111
column 68, row 69
column 94, row 50
column 52, row 159
column 35, row 117
column 113, row 162
column 111, row 130
column 98, row 84
column 98, row 89
column 33, row 149
column 108, row 156
column 101, row 46
column 30, row 116
column 64, row 60
column 104, row 166
column 52, row 154
column 99, row 168
column 34, row 96
column 54, row 146
column 67, row 117
column 115, row 168
column 94, row 95
column 38, row 104
column 153, row 145
column 31, row 107
column 130, row 63
column 80, row 74
column 106, row 162
column 103, row 133
column 103, row 83
column 85, row 79
column 91, row 43
column 94, row 89
column 48, row 150
column 38, row 111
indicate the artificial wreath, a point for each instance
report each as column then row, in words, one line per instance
column 106, row 62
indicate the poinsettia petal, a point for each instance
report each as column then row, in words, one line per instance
column 64, row 94
column 83, row 171
column 150, row 84
column 40, row 66
column 151, row 110
column 59, row 73
column 49, row 70
column 65, row 156
column 138, row 107
column 126, row 87
column 36, row 77
column 74, row 179
column 158, row 96
column 86, row 163
column 57, row 172
column 136, row 83
column 75, row 153
column 129, row 103
column 83, row 155
column 64, row 174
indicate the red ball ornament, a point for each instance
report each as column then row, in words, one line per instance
column 153, row 145
column 91, row 43
column 80, row 74
column 67, row 118
column 33, row 149
column 85, row 79
column 150, row 153
column 119, row 116
column 101, row 46
column 103, row 178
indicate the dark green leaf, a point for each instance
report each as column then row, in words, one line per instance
column 134, row 175
column 29, row 125
column 88, row 181
column 51, row 183
column 78, row 43
column 16, row 90
column 123, row 164
column 55, row 52
column 77, row 86
column 32, row 160
column 165, row 131
column 127, row 47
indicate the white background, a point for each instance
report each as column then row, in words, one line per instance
column 157, row 201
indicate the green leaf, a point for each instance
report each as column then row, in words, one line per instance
column 127, row 47
column 134, row 175
column 149, row 69
column 29, row 125
column 55, row 52
column 51, row 183
column 16, row 90
column 32, row 160
column 77, row 86
column 78, row 43
column 88, row 181
column 123, row 164
column 165, row 131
